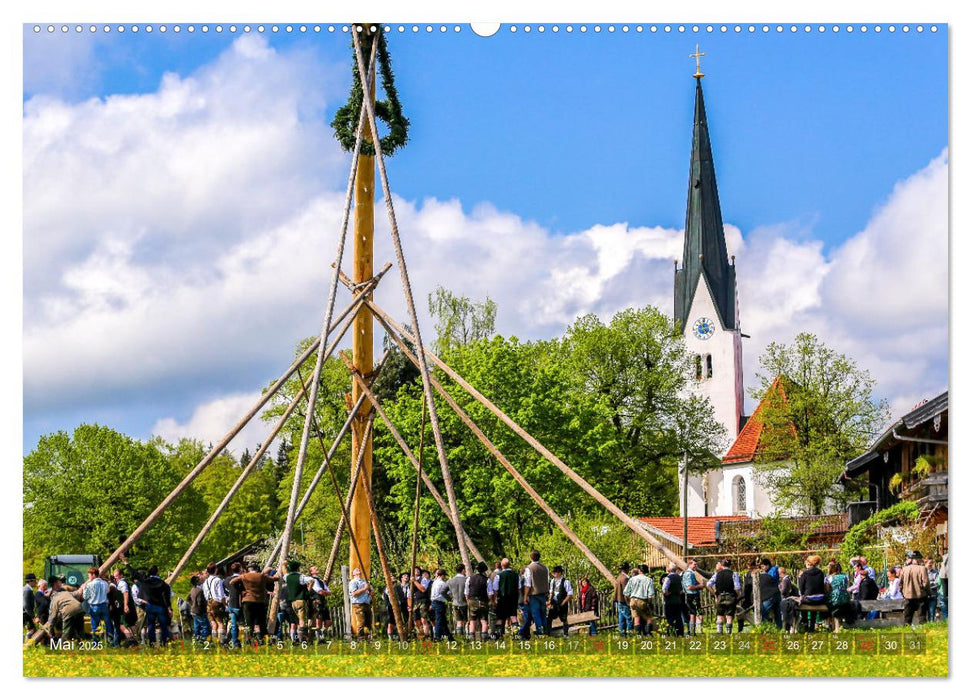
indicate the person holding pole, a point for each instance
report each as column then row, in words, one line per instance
column 360, row 592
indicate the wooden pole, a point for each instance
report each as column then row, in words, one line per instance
column 684, row 506
column 236, row 486
column 414, row 523
column 544, row 506
column 345, row 584
column 363, row 345
column 536, row 445
column 412, row 312
column 429, row 484
column 382, row 556
column 355, row 477
column 221, row 445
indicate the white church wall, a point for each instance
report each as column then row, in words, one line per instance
column 723, row 389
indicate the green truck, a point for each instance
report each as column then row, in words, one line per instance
column 73, row 567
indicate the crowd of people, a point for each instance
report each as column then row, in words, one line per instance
column 248, row 604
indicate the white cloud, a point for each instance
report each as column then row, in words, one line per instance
column 179, row 243
column 211, row 421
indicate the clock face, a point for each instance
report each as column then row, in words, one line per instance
column 704, row 328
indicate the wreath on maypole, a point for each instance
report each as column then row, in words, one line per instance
column 387, row 110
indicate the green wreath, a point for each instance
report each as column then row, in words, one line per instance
column 387, row 110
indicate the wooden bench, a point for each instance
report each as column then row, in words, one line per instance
column 891, row 612
column 575, row 619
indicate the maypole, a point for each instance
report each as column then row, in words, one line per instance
column 344, row 124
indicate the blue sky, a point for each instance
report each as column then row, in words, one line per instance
column 822, row 142
column 813, row 127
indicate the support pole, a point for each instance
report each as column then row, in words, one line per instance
column 429, row 484
column 410, row 303
column 535, row 444
column 221, row 445
column 487, row 443
column 382, row 556
column 345, row 585
column 363, row 339
column 684, row 506
column 347, row 504
column 414, row 524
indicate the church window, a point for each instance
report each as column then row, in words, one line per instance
column 741, row 497
column 708, row 371
column 698, row 367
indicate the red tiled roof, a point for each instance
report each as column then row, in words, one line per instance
column 701, row 530
column 748, row 442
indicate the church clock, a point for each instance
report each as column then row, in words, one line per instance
column 704, row 328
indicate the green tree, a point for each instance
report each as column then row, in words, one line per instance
column 824, row 416
column 85, row 492
column 635, row 369
column 460, row 320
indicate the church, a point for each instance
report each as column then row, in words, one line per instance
column 706, row 309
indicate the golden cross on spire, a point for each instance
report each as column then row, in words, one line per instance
column 697, row 56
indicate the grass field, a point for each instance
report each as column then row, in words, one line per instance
column 272, row 662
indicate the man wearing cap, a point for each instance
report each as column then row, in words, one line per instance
column 66, row 615
column 561, row 593
column 477, row 593
column 360, row 593
column 30, row 580
column 915, row 586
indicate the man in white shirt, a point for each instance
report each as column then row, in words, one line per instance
column 360, row 592
column 215, row 593
column 94, row 592
column 561, row 593
column 439, row 597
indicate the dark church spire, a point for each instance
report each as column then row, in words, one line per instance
column 705, row 255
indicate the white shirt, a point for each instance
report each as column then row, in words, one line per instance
column 319, row 586
column 567, row 586
column 213, row 589
column 96, row 591
column 440, row 590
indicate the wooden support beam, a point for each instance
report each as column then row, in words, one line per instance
column 414, row 523
column 383, row 557
column 429, row 484
column 536, row 445
column 544, row 506
column 347, row 504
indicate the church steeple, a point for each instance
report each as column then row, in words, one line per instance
column 705, row 254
